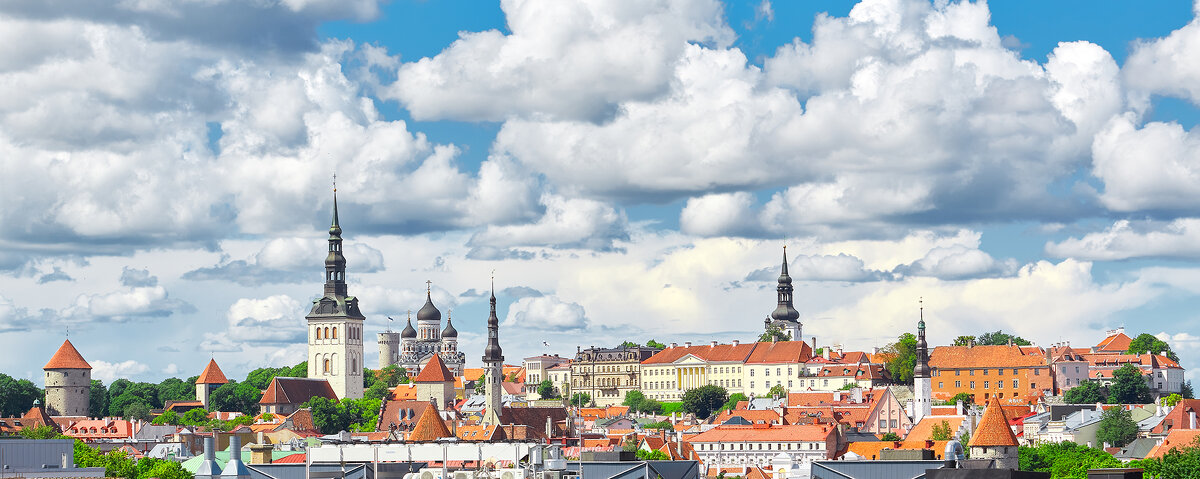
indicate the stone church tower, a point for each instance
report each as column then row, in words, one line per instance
column 785, row 317
column 922, row 382
column 335, row 325
column 493, row 366
column 68, row 382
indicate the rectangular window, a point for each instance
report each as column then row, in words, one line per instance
column 789, row 384
column 958, row 384
column 940, row 386
column 985, row 372
column 893, row 423
column 751, row 384
column 766, row 371
column 972, row 384
column 958, row 372
column 883, row 424
column 971, row 372
column 999, row 372
column 751, row 373
column 776, row 371
column 1014, row 371
column 985, row 384
column 999, row 384
column 1037, row 372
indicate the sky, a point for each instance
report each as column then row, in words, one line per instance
column 627, row 170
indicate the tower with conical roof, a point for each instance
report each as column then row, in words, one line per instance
column 335, row 325
column 994, row 439
column 493, row 367
column 922, row 382
column 209, row 380
column 68, row 382
column 785, row 317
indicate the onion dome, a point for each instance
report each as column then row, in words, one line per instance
column 449, row 332
column 408, row 332
column 429, row 312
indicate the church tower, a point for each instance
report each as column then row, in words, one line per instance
column 785, row 317
column 68, row 382
column 335, row 325
column 922, row 383
column 493, row 366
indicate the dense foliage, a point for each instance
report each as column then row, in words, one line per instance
column 1182, row 462
column 331, row 417
column 941, row 431
column 17, row 396
column 778, row 391
column 1117, row 427
column 652, row 455
column 546, row 390
column 704, row 400
column 772, row 335
column 903, row 358
column 658, row 425
column 995, row 338
column 966, row 398
column 731, row 403
column 655, row 344
column 581, row 399
column 1087, row 392
column 891, row 436
column 1147, row 343
column 1128, row 387
column 115, row 463
column 1065, row 460
column 638, row 402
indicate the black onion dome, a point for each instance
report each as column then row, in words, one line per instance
column 429, row 312
column 449, row 332
column 408, row 332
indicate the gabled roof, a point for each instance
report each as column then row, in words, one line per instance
column 434, row 372
column 1118, row 342
column 1002, row 356
column 708, row 352
column 67, row 357
column 780, row 352
column 993, row 428
column 296, row 391
column 212, row 374
column 429, row 427
column 923, row 431
column 765, row 433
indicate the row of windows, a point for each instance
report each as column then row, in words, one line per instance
column 999, row 371
column 987, row 384
column 778, row 372
column 322, row 333
column 770, row 446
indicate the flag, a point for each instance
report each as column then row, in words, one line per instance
column 390, row 318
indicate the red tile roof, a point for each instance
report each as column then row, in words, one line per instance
column 1175, row 439
column 296, row 391
column 780, row 352
column 871, row 449
column 297, row 458
column 1116, row 343
column 1003, row 356
column 767, row 433
column 923, row 431
column 212, row 374
column 429, row 427
column 434, row 372
column 993, row 428
column 718, row 353
column 67, row 357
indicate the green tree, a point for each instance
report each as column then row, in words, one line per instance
column 174, row 389
column 1066, row 460
column 98, row 399
column 326, row 417
column 194, row 417
column 966, row 398
column 941, row 431
column 658, row 425
column 261, row 378
column 1117, row 427
column 903, row 354
column 1171, row 400
column 777, row 391
column 545, row 390
column 1128, row 387
column 964, row 340
column 17, row 396
column 731, row 403
column 772, row 335
column 236, row 397
column 650, row 406
column 845, row 387
column 117, row 387
column 629, row 344
column 168, row 418
column 1186, row 391
column 369, row 378
column 655, row 455
column 331, row 417
column 704, row 400
column 40, row 432
column 1000, row 338
column 1147, row 343
column 633, row 399
column 655, row 344
column 393, row 375
column 1181, row 462
column 1086, row 392
column 580, row 399
column 137, row 410
column 891, row 436
column 117, row 406
column 299, row 370
column 479, row 384
column 378, row 390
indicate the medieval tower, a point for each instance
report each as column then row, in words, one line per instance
column 335, row 325
column 68, row 382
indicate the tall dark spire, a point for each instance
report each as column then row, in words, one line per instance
column 921, row 370
column 784, row 311
column 492, row 353
column 335, row 263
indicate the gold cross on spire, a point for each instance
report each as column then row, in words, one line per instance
column 335, row 182
column 428, row 286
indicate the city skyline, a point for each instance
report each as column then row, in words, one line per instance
column 629, row 171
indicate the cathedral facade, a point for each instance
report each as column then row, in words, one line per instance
column 412, row 348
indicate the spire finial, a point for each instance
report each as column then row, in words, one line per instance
column 428, row 287
column 410, row 315
column 784, row 272
column 334, row 228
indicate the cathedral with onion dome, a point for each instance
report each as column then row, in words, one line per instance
column 413, row 347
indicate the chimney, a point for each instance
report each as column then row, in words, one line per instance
column 1191, row 419
column 858, row 397
column 958, row 407
column 837, row 396
column 235, row 467
column 261, row 453
column 712, row 344
column 737, row 342
column 814, row 344
column 674, row 345
column 687, row 344
column 209, row 468
column 826, row 353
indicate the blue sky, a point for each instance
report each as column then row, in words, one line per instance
column 627, row 169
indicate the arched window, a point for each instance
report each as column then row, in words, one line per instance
column 335, row 328
column 318, row 333
column 353, row 364
column 327, row 332
column 326, row 366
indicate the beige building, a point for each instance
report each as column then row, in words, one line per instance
column 537, row 369
column 606, row 374
column 666, row 375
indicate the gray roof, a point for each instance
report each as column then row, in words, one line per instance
column 871, row 469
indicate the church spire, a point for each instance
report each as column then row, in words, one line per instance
column 493, row 353
column 784, row 311
column 921, row 370
column 335, row 263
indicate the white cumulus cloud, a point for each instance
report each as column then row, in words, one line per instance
column 546, row 313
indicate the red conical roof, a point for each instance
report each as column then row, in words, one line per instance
column 212, row 374
column 67, row 357
column 434, row 372
column 429, row 427
column 993, row 428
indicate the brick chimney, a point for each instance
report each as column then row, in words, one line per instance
column 261, row 453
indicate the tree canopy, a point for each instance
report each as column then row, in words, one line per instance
column 655, row 344
column 903, row 354
column 638, row 402
column 731, row 403
column 331, row 417
column 1086, row 392
column 1117, row 427
column 1000, row 338
column 17, row 396
column 1128, row 387
column 546, row 390
column 1065, row 460
column 580, row 399
column 704, row 400
column 773, row 335
column 1147, row 343
column 1183, row 462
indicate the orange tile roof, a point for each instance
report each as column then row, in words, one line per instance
column 1177, row 438
column 429, row 427
column 67, row 357
column 768, row 433
column 404, row 391
column 923, row 431
column 297, row 458
column 434, row 372
column 1002, row 356
column 871, row 449
column 993, row 428
column 718, row 353
column 756, row 416
column 472, row 374
column 780, row 352
column 212, row 374
column 1117, row 342
column 480, row 433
